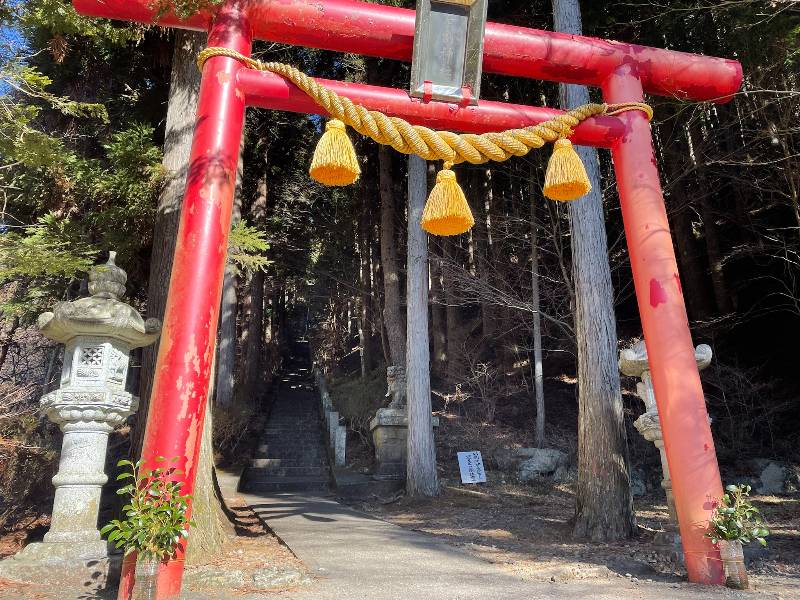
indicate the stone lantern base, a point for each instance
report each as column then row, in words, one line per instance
column 389, row 430
column 69, row 565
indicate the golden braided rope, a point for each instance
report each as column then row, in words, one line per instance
column 452, row 148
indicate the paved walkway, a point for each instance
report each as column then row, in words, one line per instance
column 356, row 556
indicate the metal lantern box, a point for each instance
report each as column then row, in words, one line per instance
column 448, row 50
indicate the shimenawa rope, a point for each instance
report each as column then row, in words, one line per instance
column 447, row 212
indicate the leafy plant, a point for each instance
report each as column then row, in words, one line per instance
column 246, row 246
column 736, row 519
column 155, row 516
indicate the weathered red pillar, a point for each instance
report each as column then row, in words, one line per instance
column 185, row 357
column 679, row 395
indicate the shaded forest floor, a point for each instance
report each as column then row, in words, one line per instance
column 526, row 530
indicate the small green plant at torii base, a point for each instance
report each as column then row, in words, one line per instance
column 736, row 519
column 155, row 515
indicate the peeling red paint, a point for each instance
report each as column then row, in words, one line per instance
column 191, row 442
column 658, row 295
column 223, row 77
column 678, row 283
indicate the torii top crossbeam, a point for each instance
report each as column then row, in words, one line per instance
column 624, row 72
column 388, row 32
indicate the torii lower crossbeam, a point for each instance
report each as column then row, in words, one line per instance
column 623, row 72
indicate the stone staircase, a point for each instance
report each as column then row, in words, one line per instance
column 291, row 455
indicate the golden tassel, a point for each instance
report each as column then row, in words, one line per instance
column 446, row 211
column 334, row 161
column 566, row 177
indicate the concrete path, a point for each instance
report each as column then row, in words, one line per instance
column 356, row 556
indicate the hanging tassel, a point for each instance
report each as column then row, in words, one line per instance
column 446, row 211
column 334, row 161
column 566, row 177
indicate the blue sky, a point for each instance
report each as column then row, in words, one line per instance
column 11, row 40
column 11, row 44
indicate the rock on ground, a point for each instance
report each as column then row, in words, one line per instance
column 773, row 479
column 539, row 462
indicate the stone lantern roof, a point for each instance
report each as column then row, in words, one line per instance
column 633, row 361
column 101, row 314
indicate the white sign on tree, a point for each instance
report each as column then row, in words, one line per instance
column 471, row 465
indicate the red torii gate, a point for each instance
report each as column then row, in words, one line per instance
column 624, row 72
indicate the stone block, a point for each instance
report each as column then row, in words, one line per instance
column 340, row 446
column 389, row 430
column 333, row 424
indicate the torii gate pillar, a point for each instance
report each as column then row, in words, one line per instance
column 624, row 72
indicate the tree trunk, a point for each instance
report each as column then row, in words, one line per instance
column 392, row 312
column 212, row 528
column 183, row 91
column 365, row 277
column 604, row 505
column 538, row 377
column 712, row 238
column 438, row 316
column 714, row 252
column 691, row 268
column 481, row 192
column 453, row 328
column 679, row 210
column 252, row 338
column 421, row 477
column 226, row 353
column 6, row 339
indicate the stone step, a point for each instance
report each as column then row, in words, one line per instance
column 257, row 473
column 285, row 484
column 290, row 453
column 286, row 443
column 299, row 437
column 317, row 457
column 304, row 415
column 277, row 463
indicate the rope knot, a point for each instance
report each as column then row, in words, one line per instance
column 445, row 175
column 561, row 143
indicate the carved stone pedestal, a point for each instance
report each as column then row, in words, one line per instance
column 389, row 430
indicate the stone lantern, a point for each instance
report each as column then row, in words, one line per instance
column 633, row 362
column 98, row 332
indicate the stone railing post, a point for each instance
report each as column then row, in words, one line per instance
column 633, row 362
column 98, row 333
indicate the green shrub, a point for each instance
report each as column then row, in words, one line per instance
column 156, row 514
column 736, row 519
